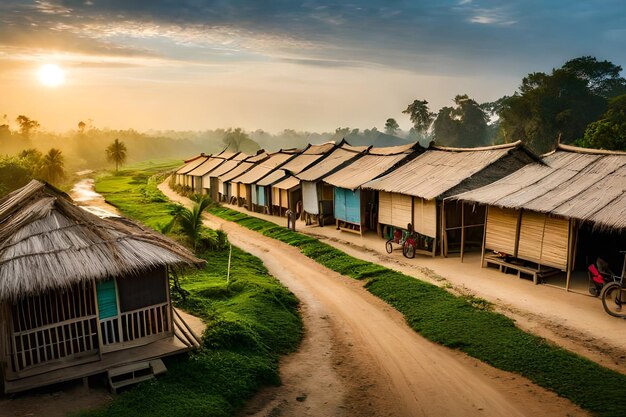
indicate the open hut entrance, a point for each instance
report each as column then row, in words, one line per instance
column 464, row 227
column 133, row 310
column 590, row 245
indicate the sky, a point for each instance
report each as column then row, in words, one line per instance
column 276, row 64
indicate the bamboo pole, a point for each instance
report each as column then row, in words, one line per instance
column 462, row 230
column 230, row 253
column 569, row 255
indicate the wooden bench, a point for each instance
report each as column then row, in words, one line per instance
column 504, row 265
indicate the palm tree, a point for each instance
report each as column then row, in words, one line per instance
column 51, row 168
column 116, row 152
column 191, row 220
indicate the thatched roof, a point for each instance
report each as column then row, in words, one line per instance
column 263, row 168
column 287, row 183
column 337, row 159
column 47, row 242
column 310, row 156
column 191, row 164
column 273, row 177
column 211, row 163
column 584, row 184
column 439, row 171
column 377, row 162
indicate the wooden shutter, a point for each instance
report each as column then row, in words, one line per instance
column 555, row 242
column 531, row 236
column 384, row 208
column 501, row 230
column 425, row 216
column 275, row 196
column 339, row 203
column 284, row 202
column 401, row 210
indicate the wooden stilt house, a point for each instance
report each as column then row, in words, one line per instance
column 415, row 193
column 535, row 215
column 79, row 294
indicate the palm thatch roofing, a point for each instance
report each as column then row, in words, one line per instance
column 583, row 184
column 307, row 158
column 210, row 164
column 191, row 164
column 440, row 171
column 263, row 168
column 47, row 242
column 343, row 154
column 377, row 162
column 239, row 167
column 273, row 177
column 287, row 183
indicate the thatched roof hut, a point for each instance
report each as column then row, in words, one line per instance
column 535, row 214
column 46, row 242
column 414, row 193
column 74, row 286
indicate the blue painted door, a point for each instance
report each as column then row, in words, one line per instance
column 339, row 203
column 261, row 196
column 353, row 206
column 107, row 299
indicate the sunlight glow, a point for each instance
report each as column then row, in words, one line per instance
column 51, row 75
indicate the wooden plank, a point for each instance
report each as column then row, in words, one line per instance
column 501, row 230
column 531, row 236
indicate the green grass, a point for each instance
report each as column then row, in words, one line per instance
column 251, row 321
column 466, row 324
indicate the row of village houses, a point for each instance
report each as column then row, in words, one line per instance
column 538, row 215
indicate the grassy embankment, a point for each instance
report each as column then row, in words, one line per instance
column 465, row 323
column 251, row 321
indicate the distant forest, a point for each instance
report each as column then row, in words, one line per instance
column 583, row 103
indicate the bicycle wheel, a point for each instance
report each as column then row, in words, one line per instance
column 388, row 246
column 613, row 296
column 408, row 250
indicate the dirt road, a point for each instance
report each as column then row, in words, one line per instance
column 359, row 358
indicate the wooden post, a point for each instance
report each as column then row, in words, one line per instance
column 98, row 329
column 482, row 255
column 462, row 229
column 230, row 253
column 444, row 235
column 569, row 255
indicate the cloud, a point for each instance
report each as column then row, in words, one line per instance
column 437, row 36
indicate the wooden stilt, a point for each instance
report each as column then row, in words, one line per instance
column 482, row 255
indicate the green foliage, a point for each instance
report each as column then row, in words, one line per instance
column 236, row 140
column 462, row 126
column 420, row 115
column 52, row 167
column 117, row 152
column 560, row 104
column 465, row 323
column 14, row 173
column 391, row 126
column 610, row 131
column 251, row 321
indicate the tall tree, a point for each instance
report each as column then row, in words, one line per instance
column 27, row 125
column 234, row 139
column 548, row 107
column 420, row 115
column 52, row 166
column 602, row 77
column 610, row 131
column 116, row 152
column 391, row 126
column 463, row 126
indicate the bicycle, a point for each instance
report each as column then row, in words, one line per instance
column 614, row 294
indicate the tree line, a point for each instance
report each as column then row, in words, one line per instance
column 583, row 102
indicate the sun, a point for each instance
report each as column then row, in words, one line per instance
column 51, row 75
